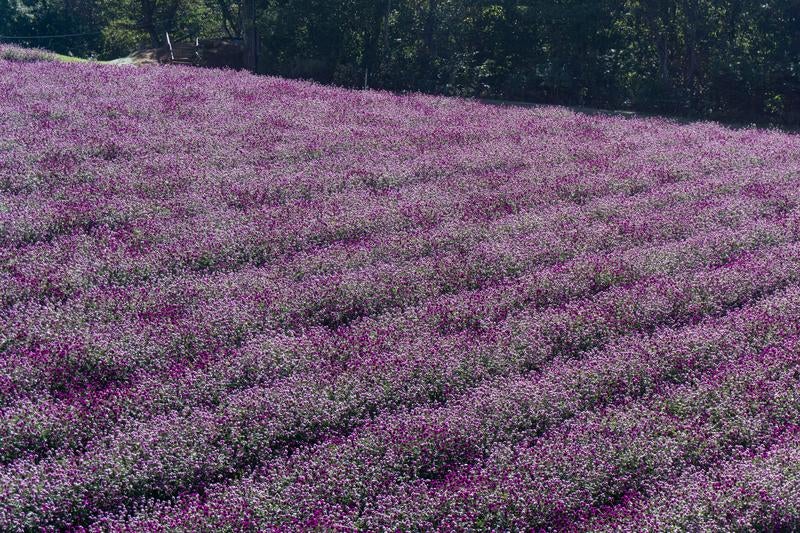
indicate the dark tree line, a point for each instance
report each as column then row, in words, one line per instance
column 734, row 59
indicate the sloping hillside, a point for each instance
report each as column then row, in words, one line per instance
column 243, row 303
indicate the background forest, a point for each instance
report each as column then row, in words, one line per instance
column 732, row 59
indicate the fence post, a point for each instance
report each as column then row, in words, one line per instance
column 169, row 43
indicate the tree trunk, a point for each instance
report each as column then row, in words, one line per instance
column 663, row 59
column 250, row 36
column 372, row 34
column 148, row 22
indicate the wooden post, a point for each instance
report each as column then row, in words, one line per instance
column 169, row 43
column 250, row 36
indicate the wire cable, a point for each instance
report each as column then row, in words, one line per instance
column 22, row 37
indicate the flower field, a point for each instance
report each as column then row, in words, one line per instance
column 10, row 52
column 240, row 303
